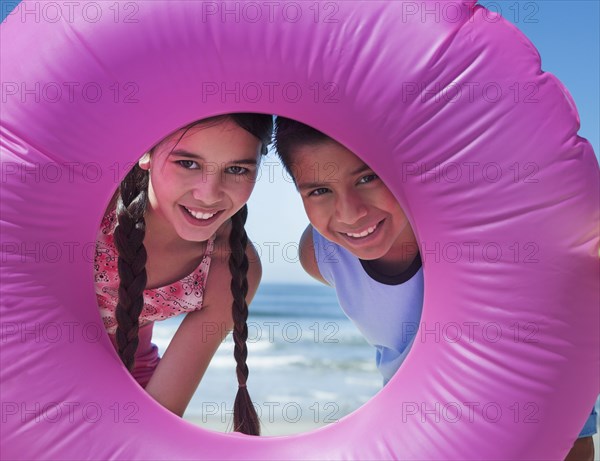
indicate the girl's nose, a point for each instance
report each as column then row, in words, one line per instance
column 209, row 189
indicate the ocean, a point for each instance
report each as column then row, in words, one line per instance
column 309, row 365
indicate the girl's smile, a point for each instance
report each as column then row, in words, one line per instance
column 198, row 218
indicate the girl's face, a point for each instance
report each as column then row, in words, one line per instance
column 346, row 201
column 199, row 182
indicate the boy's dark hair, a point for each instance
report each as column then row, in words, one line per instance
column 129, row 235
column 290, row 135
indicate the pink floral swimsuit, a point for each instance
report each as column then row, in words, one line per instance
column 185, row 295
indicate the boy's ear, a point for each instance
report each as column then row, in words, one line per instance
column 144, row 162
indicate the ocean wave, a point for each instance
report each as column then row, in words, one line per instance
column 227, row 361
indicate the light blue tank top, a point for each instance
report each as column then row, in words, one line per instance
column 386, row 310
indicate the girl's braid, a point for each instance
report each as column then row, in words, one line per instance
column 129, row 240
column 245, row 419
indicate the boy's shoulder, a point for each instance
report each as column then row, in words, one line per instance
column 307, row 255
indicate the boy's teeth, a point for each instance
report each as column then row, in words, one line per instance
column 198, row 215
column 363, row 233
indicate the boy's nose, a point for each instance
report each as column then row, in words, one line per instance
column 350, row 209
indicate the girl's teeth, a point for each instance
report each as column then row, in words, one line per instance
column 363, row 233
column 198, row 215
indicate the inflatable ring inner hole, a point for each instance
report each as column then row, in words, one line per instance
column 329, row 341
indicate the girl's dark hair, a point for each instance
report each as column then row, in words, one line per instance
column 132, row 200
column 290, row 135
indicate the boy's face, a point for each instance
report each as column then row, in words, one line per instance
column 346, row 201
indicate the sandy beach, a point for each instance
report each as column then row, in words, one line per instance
column 268, row 428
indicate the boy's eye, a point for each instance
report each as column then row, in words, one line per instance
column 237, row 170
column 368, row 178
column 188, row 164
column 319, row 191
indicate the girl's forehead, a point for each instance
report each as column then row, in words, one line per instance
column 223, row 139
column 168, row 143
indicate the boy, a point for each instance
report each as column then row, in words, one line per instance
column 360, row 242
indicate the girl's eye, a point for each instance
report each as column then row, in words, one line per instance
column 319, row 191
column 368, row 178
column 188, row 164
column 237, row 170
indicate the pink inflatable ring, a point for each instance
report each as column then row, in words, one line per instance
column 451, row 109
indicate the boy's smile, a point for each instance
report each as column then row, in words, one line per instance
column 365, row 236
column 347, row 202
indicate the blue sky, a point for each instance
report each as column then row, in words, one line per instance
column 567, row 35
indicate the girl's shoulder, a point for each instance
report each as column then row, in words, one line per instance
column 109, row 221
column 220, row 273
column 222, row 246
column 221, row 241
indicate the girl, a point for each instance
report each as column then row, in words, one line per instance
column 173, row 241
